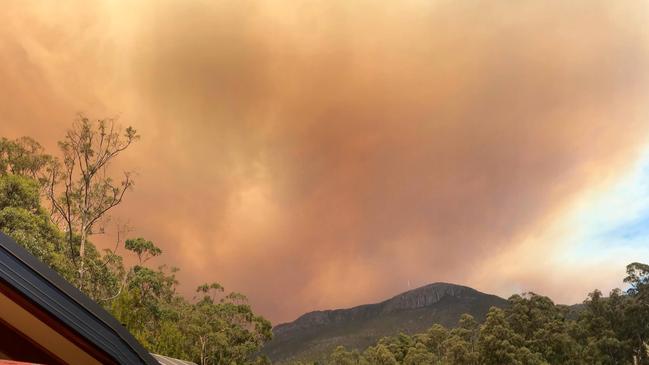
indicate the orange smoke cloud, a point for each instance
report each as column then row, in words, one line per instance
column 327, row 153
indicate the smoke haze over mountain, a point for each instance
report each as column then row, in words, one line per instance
column 326, row 153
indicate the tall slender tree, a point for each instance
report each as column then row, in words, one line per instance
column 88, row 191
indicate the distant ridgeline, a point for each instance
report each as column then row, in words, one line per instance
column 445, row 324
column 317, row 333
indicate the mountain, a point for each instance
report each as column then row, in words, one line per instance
column 316, row 333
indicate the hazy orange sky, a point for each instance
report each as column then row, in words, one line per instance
column 319, row 154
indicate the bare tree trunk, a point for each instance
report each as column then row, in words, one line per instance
column 203, row 357
column 82, row 253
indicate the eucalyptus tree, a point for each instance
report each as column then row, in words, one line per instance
column 340, row 356
column 81, row 189
column 214, row 328
column 26, row 157
column 24, row 219
column 380, row 355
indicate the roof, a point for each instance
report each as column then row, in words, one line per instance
column 43, row 287
column 165, row 360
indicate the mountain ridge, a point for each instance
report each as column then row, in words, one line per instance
column 394, row 298
column 317, row 332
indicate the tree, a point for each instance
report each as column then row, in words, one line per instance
column 153, row 312
column 23, row 171
column 638, row 279
column 340, row 356
column 142, row 298
column 418, row 355
column 461, row 347
column 144, row 249
column 498, row 343
column 458, row 351
column 25, row 157
column 457, row 346
column 380, row 355
column 603, row 326
column 88, row 192
column 398, row 345
column 23, row 218
column 434, row 340
column 637, row 310
column 543, row 328
column 225, row 329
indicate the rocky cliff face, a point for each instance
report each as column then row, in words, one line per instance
column 417, row 298
column 317, row 332
column 427, row 296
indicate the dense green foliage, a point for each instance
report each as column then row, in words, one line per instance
column 531, row 330
column 211, row 328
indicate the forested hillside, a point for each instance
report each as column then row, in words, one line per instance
column 530, row 330
column 315, row 334
column 53, row 204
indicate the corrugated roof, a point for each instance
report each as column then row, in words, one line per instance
column 166, row 360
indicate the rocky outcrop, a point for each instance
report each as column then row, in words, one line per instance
column 356, row 327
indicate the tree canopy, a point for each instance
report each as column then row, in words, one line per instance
column 531, row 330
column 53, row 209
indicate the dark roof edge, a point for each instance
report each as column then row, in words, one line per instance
column 48, row 289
